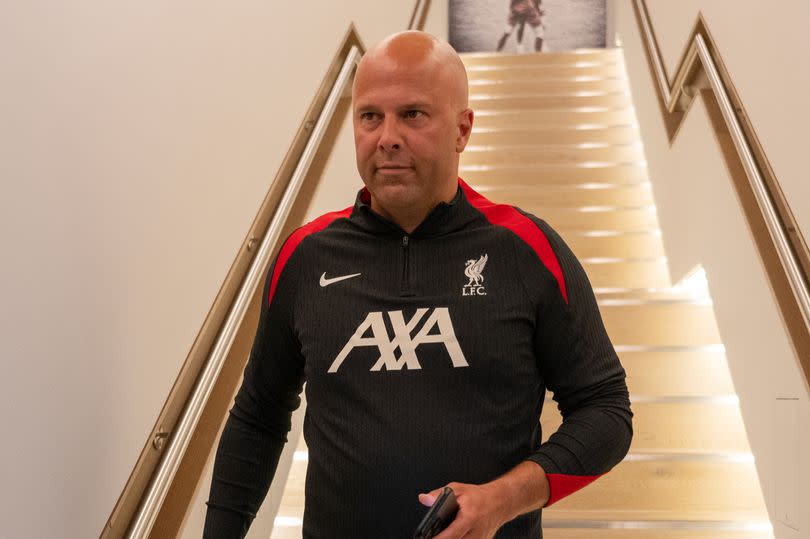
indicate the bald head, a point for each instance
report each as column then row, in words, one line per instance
column 418, row 51
column 411, row 122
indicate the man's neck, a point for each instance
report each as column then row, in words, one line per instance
column 409, row 218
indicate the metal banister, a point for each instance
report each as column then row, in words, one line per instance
column 775, row 228
column 778, row 219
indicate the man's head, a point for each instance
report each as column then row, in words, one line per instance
column 411, row 122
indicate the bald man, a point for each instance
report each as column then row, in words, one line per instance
column 427, row 322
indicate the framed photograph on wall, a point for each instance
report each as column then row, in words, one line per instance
column 526, row 25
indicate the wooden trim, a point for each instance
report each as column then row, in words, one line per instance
column 689, row 82
column 202, row 442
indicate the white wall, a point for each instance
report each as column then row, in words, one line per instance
column 702, row 221
column 137, row 141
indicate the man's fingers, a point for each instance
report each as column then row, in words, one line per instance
column 427, row 499
column 430, row 498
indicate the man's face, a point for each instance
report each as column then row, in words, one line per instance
column 407, row 133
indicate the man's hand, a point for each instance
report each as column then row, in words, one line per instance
column 479, row 511
column 483, row 509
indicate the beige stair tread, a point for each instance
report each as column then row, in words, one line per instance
column 663, row 533
column 550, row 154
column 537, row 175
column 670, row 488
column 623, row 245
column 565, row 57
column 541, row 135
column 549, row 100
column 570, row 195
column 628, row 273
column 559, row 517
column 553, row 118
column 289, row 511
column 556, row 85
column 287, row 532
column 661, row 324
column 677, row 373
column 540, row 71
column 293, row 497
column 651, row 294
column 610, row 218
column 663, row 426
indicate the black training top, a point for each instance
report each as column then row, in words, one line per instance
column 427, row 358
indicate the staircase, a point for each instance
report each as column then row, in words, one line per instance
column 556, row 135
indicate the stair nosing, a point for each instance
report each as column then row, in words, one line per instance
column 582, row 164
column 541, row 129
column 685, row 524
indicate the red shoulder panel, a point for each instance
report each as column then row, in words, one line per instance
column 509, row 217
column 296, row 238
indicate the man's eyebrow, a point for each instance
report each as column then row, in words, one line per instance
column 368, row 107
column 415, row 105
column 363, row 107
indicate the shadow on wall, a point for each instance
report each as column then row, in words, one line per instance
column 558, row 25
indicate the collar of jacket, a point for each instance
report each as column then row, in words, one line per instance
column 445, row 218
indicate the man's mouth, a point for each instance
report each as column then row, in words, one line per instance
column 390, row 167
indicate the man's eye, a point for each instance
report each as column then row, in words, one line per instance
column 367, row 116
column 413, row 114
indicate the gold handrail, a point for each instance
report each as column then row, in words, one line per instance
column 175, row 452
column 419, row 15
column 701, row 71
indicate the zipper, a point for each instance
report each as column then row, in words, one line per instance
column 405, row 286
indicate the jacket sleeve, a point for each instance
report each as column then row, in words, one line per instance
column 580, row 367
column 257, row 427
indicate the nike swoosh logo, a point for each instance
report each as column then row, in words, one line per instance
column 326, row 282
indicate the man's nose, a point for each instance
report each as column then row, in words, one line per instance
column 390, row 137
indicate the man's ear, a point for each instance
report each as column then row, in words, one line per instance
column 464, row 123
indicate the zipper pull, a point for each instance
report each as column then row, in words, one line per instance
column 405, row 287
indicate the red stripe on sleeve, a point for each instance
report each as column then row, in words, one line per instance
column 296, row 238
column 561, row 485
column 509, row 217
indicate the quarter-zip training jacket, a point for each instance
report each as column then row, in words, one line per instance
column 426, row 357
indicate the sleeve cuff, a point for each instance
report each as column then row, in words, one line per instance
column 561, row 485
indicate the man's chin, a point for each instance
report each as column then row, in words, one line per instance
column 392, row 182
column 394, row 176
column 392, row 194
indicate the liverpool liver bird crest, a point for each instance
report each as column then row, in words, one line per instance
column 474, row 269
